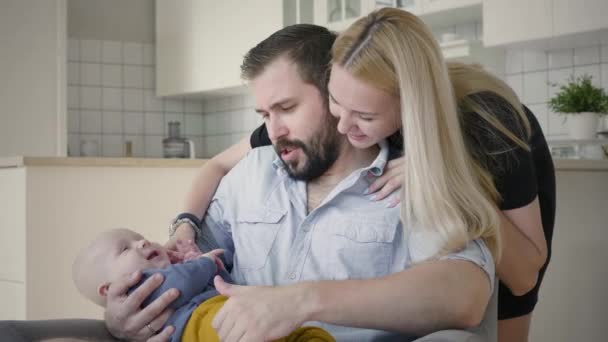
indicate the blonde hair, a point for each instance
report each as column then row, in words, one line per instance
column 446, row 190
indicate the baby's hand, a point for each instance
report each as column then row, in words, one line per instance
column 189, row 249
column 215, row 256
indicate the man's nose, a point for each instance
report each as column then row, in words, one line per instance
column 276, row 129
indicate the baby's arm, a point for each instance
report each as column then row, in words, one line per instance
column 190, row 278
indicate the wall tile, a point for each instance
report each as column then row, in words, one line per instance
column 561, row 58
column 193, row 106
column 73, row 73
column 210, row 105
column 152, row 102
column 586, row 56
column 73, row 50
column 557, row 125
column 133, row 123
column 210, row 124
column 198, row 145
column 90, row 51
column 604, row 54
column 132, row 53
column 237, row 122
column 90, row 97
column 194, row 124
column 542, row 115
column 73, row 121
column 466, row 31
column 112, row 122
column 559, row 77
column 90, row 74
column 111, row 52
column 133, row 76
column 112, row 98
column 535, row 60
column 592, row 70
column 112, row 146
column 604, row 68
column 149, row 54
column 153, row 146
column 111, row 75
column 90, row 121
column 535, row 87
column 516, row 83
column 73, row 145
column 73, row 97
column 514, row 61
column 174, row 105
column 149, row 78
column 154, row 124
column 133, row 99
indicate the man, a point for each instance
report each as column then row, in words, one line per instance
column 295, row 217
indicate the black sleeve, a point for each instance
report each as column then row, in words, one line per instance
column 511, row 165
column 259, row 137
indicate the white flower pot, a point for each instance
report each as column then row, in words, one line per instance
column 582, row 125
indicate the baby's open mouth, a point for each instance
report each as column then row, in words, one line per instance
column 153, row 255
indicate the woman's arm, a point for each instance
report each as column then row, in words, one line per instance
column 525, row 248
column 204, row 185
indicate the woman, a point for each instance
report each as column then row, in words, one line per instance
column 474, row 158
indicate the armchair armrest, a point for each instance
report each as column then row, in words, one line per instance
column 76, row 329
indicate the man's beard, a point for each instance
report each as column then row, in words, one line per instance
column 320, row 154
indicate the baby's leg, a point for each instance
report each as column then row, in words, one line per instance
column 199, row 326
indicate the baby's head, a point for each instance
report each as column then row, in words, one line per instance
column 112, row 255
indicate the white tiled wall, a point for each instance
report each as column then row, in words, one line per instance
column 226, row 121
column 530, row 72
column 111, row 100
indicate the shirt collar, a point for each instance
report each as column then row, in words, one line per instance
column 376, row 167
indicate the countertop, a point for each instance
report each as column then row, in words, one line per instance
column 13, row 162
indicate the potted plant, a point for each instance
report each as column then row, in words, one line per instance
column 583, row 103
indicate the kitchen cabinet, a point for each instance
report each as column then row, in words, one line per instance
column 506, row 22
column 200, row 44
column 430, row 6
column 337, row 15
column 553, row 21
column 578, row 16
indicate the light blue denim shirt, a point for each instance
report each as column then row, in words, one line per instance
column 258, row 215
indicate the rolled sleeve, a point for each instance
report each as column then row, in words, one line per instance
column 478, row 253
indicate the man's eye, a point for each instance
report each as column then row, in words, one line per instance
column 365, row 118
column 288, row 109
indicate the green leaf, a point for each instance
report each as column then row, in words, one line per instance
column 579, row 95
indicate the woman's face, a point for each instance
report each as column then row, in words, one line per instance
column 366, row 114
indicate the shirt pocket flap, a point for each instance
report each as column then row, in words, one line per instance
column 370, row 228
column 261, row 215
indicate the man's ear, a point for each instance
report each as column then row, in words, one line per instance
column 102, row 290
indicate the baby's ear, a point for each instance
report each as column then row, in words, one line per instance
column 102, row 290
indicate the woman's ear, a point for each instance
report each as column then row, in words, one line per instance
column 102, row 290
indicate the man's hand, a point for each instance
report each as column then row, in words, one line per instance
column 123, row 316
column 258, row 313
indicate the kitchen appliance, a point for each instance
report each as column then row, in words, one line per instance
column 176, row 146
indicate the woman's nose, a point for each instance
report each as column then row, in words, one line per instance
column 344, row 123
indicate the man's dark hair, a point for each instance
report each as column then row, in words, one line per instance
column 308, row 46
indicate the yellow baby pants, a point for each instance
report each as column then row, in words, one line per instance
column 199, row 329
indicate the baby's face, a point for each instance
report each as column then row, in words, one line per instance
column 126, row 252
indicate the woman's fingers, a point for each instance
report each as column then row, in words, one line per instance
column 163, row 336
column 391, row 180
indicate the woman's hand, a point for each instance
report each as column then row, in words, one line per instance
column 183, row 232
column 124, row 317
column 391, row 180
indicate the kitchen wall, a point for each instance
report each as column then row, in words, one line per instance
column 530, row 71
column 111, row 100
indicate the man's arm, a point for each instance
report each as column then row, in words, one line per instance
column 422, row 299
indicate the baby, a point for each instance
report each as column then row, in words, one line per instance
column 118, row 252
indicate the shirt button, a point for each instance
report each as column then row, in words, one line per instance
column 292, row 276
column 306, row 228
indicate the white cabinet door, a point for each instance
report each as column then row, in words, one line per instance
column 513, row 21
column 575, row 16
column 338, row 15
column 200, row 44
column 430, row 6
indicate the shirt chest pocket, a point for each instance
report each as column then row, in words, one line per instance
column 363, row 246
column 255, row 236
